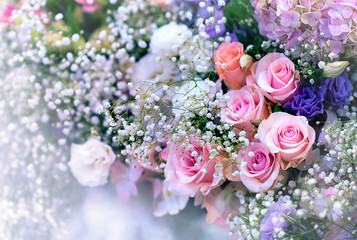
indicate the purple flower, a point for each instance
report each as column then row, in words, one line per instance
column 338, row 90
column 307, row 101
column 275, row 219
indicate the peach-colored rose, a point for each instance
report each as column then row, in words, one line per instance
column 190, row 169
column 247, row 103
column 226, row 59
column 276, row 76
column 290, row 136
column 258, row 166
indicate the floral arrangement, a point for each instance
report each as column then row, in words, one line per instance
column 246, row 107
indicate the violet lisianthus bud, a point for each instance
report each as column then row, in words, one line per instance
column 338, row 90
column 307, row 101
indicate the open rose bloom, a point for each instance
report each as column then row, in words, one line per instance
column 190, row 169
column 259, row 168
column 245, row 105
column 228, row 66
column 245, row 108
column 290, row 136
column 276, row 77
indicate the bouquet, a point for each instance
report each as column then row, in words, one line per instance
column 246, row 107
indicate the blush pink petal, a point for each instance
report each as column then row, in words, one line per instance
column 292, row 151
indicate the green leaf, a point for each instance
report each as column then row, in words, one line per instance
column 276, row 108
column 72, row 21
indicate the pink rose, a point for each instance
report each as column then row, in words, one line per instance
column 259, row 168
column 276, row 76
column 247, row 103
column 290, row 136
column 226, row 59
column 190, row 169
column 89, row 5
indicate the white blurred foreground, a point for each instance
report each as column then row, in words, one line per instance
column 102, row 216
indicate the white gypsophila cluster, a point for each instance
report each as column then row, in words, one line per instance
column 34, row 172
column 193, row 97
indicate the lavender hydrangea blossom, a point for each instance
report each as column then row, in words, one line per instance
column 307, row 102
column 275, row 220
column 338, row 90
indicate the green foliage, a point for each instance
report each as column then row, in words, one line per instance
column 276, row 108
column 240, row 20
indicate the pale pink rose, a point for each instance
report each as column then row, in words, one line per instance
column 226, row 59
column 190, row 169
column 166, row 202
column 125, row 178
column 245, row 104
column 6, row 14
column 259, row 168
column 89, row 5
column 276, row 76
column 290, row 136
column 220, row 204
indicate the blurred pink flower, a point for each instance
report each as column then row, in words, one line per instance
column 165, row 201
column 220, row 204
column 6, row 14
column 125, row 179
column 149, row 158
column 89, row 5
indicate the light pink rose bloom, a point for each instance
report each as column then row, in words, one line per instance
column 125, row 178
column 247, row 103
column 166, row 202
column 290, row 136
column 277, row 78
column 190, row 170
column 89, row 5
column 220, row 204
column 229, row 54
column 258, row 166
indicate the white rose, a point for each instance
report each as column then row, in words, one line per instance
column 90, row 163
column 169, row 38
